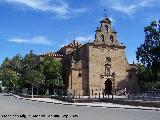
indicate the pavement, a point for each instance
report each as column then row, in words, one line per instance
column 18, row 108
column 93, row 104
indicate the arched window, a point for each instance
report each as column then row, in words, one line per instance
column 111, row 38
column 102, row 38
column 106, row 28
column 108, row 59
column 108, row 70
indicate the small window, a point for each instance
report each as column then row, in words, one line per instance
column 79, row 74
column 108, row 70
column 102, row 38
column 111, row 38
column 108, row 59
column 69, row 51
column 106, row 28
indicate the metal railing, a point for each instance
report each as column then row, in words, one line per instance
column 153, row 95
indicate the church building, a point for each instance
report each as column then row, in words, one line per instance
column 99, row 66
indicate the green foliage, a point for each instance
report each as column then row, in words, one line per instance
column 6, row 64
column 30, row 61
column 52, row 70
column 30, row 73
column 8, row 76
column 22, row 72
column 147, row 52
column 34, row 77
column 16, row 64
column 149, row 55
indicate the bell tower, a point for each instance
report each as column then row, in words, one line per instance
column 105, row 34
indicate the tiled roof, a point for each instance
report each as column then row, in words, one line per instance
column 73, row 44
column 106, row 20
column 52, row 54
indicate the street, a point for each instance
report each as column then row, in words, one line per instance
column 16, row 109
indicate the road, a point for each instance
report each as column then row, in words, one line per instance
column 17, row 109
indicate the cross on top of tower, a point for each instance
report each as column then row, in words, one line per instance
column 105, row 12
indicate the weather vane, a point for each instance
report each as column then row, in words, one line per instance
column 105, row 12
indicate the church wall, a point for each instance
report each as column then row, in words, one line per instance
column 75, row 82
column 96, row 68
column 84, row 53
column 119, row 65
column 78, row 78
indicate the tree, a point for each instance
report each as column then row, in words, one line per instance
column 148, row 52
column 34, row 78
column 7, row 75
column 52, row 70
column 142, row 74
column 16, row 65
column 6, row 64
column 30, row 73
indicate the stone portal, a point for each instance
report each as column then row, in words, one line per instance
column 108, row 86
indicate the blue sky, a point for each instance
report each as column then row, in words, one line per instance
column 46, row 25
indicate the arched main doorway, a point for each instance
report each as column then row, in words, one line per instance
column 108, row 86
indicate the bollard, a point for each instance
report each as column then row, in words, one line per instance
column 103, row 94
column 79, row 96
column 89, row 94
column 115, row 91
column 62, row 93
column 73, row 94
column 112, row 96
column 92, row 92
column 133, row 97
column 99, row 95
column 76, row 94
column 128, row 97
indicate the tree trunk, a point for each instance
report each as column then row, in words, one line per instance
column 37, row 90
column 32, row 89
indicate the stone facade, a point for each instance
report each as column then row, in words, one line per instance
column 97, row 66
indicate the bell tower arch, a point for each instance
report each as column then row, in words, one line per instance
column 105, row 34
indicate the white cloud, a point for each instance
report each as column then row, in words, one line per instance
column 84, row 39
column 58, row 7
column 40, row 40
column 123, row 8
column 81, row 39
column 128, row 7
column 19, row 40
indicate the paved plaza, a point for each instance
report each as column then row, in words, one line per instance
column 18, row 109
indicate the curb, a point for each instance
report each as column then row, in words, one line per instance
column 66, row 104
